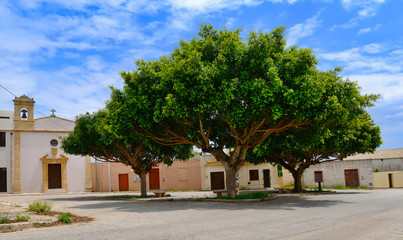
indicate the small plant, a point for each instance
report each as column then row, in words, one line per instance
column 39, row 207
column 22, row 218
column 4, row 219
column 376, row 170
column 65, row 217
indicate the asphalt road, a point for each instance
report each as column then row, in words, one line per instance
column 376, row 214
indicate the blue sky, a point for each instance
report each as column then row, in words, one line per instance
column 65, row 53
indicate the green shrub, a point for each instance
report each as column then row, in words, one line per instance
column 65, row 217
column 39, row 207
column 376, row 170
column 257, row 195
column 22, row 218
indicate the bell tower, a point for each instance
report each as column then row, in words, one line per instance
column 23, row 113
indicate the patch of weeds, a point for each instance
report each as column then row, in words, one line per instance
column 39, row 207
column 171, row 199
column 168, row 195
column 257, row 195
column 17, row 205
column 65, row 217
column 22, row 218
column 4, row 219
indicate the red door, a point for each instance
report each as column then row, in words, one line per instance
column 351, row 177
column 123, row 182
column 154, row 178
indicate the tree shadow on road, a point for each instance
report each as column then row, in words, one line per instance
column 276, row 203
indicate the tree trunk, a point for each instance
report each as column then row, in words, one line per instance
column 230, row 182
column 143, row 180
column 297, row 175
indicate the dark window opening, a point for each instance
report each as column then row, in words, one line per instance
column 253, row 175
column 2, row 139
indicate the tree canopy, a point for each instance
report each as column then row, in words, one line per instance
column 90, row 137
column 352, row 131
column 218, row 91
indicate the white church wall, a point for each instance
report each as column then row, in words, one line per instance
column 35, row 145
column 54, row 123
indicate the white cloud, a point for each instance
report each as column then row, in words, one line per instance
column 369, row 29
column 376, row 67
column 372, row 48
column 366, row 9
column 303, row 29
column 356, row 59
column 390, row 86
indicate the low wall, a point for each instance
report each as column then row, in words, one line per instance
column 333, row 173
column 381, row 179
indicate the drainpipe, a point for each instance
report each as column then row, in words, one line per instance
column 109, row 175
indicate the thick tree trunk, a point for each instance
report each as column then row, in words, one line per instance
column 297, row 179
column 143, row 180
column 230, row 181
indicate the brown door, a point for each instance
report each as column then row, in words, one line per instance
column 266, row 178
column 217, row 180
column 154, row 178
column 54, row 176
column 390, row 180
column 3, row 179
column 123, row 182
column 351, row 177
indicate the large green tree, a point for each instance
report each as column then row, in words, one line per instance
column 90, row 137
column 219, row 92
column 350, row 132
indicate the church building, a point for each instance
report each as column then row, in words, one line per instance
column 31, row 160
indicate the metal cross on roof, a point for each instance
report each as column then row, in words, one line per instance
column 53, row 112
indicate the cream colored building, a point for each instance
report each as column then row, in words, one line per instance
column 32, row 158
column 250, row 176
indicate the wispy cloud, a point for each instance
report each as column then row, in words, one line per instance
column 302, row 30
column 365, row 9
column 377, row 68
column 369, row 29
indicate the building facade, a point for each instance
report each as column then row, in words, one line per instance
column 381, row 169
column 31, row 158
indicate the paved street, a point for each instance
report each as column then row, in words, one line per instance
column 376, row 214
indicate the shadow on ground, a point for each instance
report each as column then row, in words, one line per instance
column 275, row 203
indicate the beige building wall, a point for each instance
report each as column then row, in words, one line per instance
column 381, row 179
column 287, row 179
column 181, row 175
column 209, row 164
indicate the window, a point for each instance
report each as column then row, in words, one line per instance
column 2, row 139
column 253, row 175
column 54, row 142
column 318, row 176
